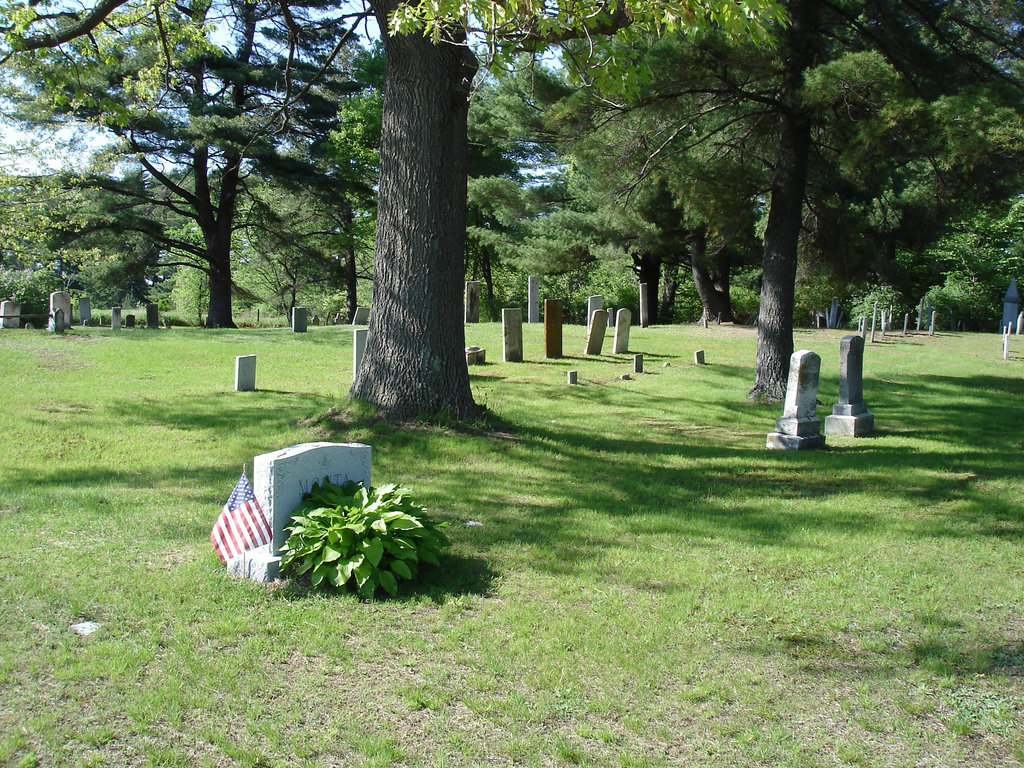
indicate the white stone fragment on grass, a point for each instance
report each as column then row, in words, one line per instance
column 85, row 628
column 473, row 524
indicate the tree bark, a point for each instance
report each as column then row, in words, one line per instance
column 414, row 362
column 785, row 213
column 711, row 279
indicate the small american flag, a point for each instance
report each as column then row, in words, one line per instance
column 242, row 524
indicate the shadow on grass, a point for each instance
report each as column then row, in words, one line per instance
column 456, row 576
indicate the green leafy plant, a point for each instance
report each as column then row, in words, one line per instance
column 346, row 535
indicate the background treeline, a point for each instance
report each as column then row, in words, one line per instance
column 209, row 163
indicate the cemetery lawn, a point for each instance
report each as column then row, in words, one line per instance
column 649, row 585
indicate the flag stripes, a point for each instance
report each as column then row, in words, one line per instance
column 242, row 524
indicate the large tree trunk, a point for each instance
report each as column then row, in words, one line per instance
column 218, row 254
column 648, row 270
column 415, row 359
column 785, row 214
column 711, row 279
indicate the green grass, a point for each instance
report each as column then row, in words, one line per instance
column 650, row 586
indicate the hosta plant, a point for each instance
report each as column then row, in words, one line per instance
column 348, row 536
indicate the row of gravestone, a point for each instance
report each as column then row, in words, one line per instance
column 472, row 303
column 799, row 427
column 59, row 317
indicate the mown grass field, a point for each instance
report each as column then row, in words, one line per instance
column 650, row 586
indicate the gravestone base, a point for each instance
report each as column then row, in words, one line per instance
column 258, row 565
column 784, row 442
column 858, row 425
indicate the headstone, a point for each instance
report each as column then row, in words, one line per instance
column 1020, row 323
column 704, row 319
column 129, row 321
column 115, row 318
column 598, row 329
column 361, row 316
column 611, row 317
column 906, row 323
column 644, row 318
column 472, row 301
column 533, row 299
column 8, row 308
column 920, row 314
column 56, row 323
column 85, row 311
column 832, row 321
column 61, row 300
column 152, row 316
column 799, row 428
column 638, row 363
column 512, row 335
column 623, row 320
column 850, row 415
column 931, row 325
column 1011, row 304
column 698, row 357
column 718, row 320
column 279, row 480
column 245, row 373
column 884, row 323
column 1006, row 343
column 358, row 347
column 594, row 303
column 476, row 355
column 552, row 327
column 299, row 315
column 874, row 319
column 572, row 377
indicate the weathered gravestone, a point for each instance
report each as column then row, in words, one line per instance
column 472, row 301
column 622, row 322
column 1020, row 323
column 358, row 347
column 280, row 478
column 1011, row 305
column 115, row 318
column 552, row 327
column 598, row 329
column 245, row 373
column 61, row 300
column 299, row 319
column 533, row 299
column 799, row 429
column 638, row 363
column 644, row 319
column 7, row 309
column 850, row 416
column 512, row 335
column 572, row 377
column 476, row 355
column 361, row 316
column 85, row 311
column 152, row 316
column 698, row 357
column 57, row 322
column 129, row 321
column 594, row 303
column 931, row 324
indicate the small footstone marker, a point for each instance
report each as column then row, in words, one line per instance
column 625, row 376
column 698, row 357
column 799, row 429
column 666, row 365
column 572, row 377
column 638, row 363
column 245, row 373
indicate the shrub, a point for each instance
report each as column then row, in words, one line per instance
column 347, row 536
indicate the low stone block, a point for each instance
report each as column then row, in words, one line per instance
column 476, row 355
column 780, row 441
column 258, row 565
column 857, row 425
